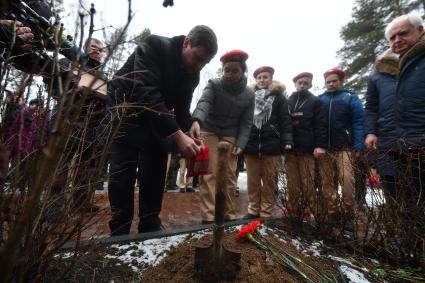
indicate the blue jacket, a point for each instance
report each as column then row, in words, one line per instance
column 379, row 108
column 410, row 107
column 344, row 118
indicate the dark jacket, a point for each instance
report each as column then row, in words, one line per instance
column 308, row 122
column 226, row 110
column 380, row 101
column 410, row 107
column 154, row 81
column 276, row 132
column 344, row 118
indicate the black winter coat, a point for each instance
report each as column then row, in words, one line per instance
column 308, row 122
column 379, row 108
column 154, row 79
column 276, row 132
column 410, row 94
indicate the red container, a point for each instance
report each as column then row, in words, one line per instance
column 199, row 164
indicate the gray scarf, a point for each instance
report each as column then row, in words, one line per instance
column 263, row 107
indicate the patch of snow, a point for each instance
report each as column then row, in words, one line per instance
column 346, row 261
column 149, row 252
column 308, row 249
column 374, row 197
column 313, row 249
column 242, row 181
column 65, row 255
column 340, row 259
column 297, row 244
column 353, row 275
column 199, row 235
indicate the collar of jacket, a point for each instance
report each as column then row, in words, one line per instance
column 304, row 93
column 234, row 88
column 334, row 93
column 387, row 63
column 275, row 87
column 418, row 47
column 176, row 49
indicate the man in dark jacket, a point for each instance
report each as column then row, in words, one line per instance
column 310, row 136
column 344, row 117
column 407, row 39
column 379, row 124
column 160, row 75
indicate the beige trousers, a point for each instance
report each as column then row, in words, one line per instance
column 302, row 196
column 183, row 180
column 263, row 173
column 207, row 182
column 336, row 169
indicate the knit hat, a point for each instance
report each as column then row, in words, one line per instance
column 263, row 69
column 234, row 56
column 341, row 74
column 302, row 75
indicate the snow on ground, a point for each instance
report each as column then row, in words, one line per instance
column 353, row 275
column 139, row 255
column 149, row 252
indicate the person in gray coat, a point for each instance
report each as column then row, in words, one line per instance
column 224, row 112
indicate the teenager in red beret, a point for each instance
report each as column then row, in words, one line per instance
column 335, row 71
column 223, row 113
column 306, row 75
column 310, row 137
column 271, row 136
column 264, row 69
column 344, row 121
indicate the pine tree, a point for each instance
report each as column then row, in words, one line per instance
column 364, row 36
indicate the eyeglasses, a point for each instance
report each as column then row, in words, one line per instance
column 94, row 48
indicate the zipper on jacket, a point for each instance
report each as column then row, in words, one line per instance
column 259, row 143
column 329, row 123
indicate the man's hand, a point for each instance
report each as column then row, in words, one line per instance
column 318, row 152
column 195, row 130
column 371, row 141
column 287, row 147
column 236, row 151
column 21, row 30
column 188, row 147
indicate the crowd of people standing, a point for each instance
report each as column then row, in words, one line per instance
column 320, row 137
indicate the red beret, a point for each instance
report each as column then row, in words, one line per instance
column 302, row 75
column 264, row 69
column 341, row 74
column 234, row 56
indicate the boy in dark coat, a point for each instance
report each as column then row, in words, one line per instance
column 310, row 136
column 344, row 118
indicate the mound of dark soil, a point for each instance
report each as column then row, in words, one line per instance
column 256, row 265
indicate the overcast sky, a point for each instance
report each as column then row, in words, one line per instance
column 290, row 36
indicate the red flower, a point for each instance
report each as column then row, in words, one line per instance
column 255, row 224
column 244, row 233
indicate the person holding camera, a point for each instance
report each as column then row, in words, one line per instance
column 86, row 140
